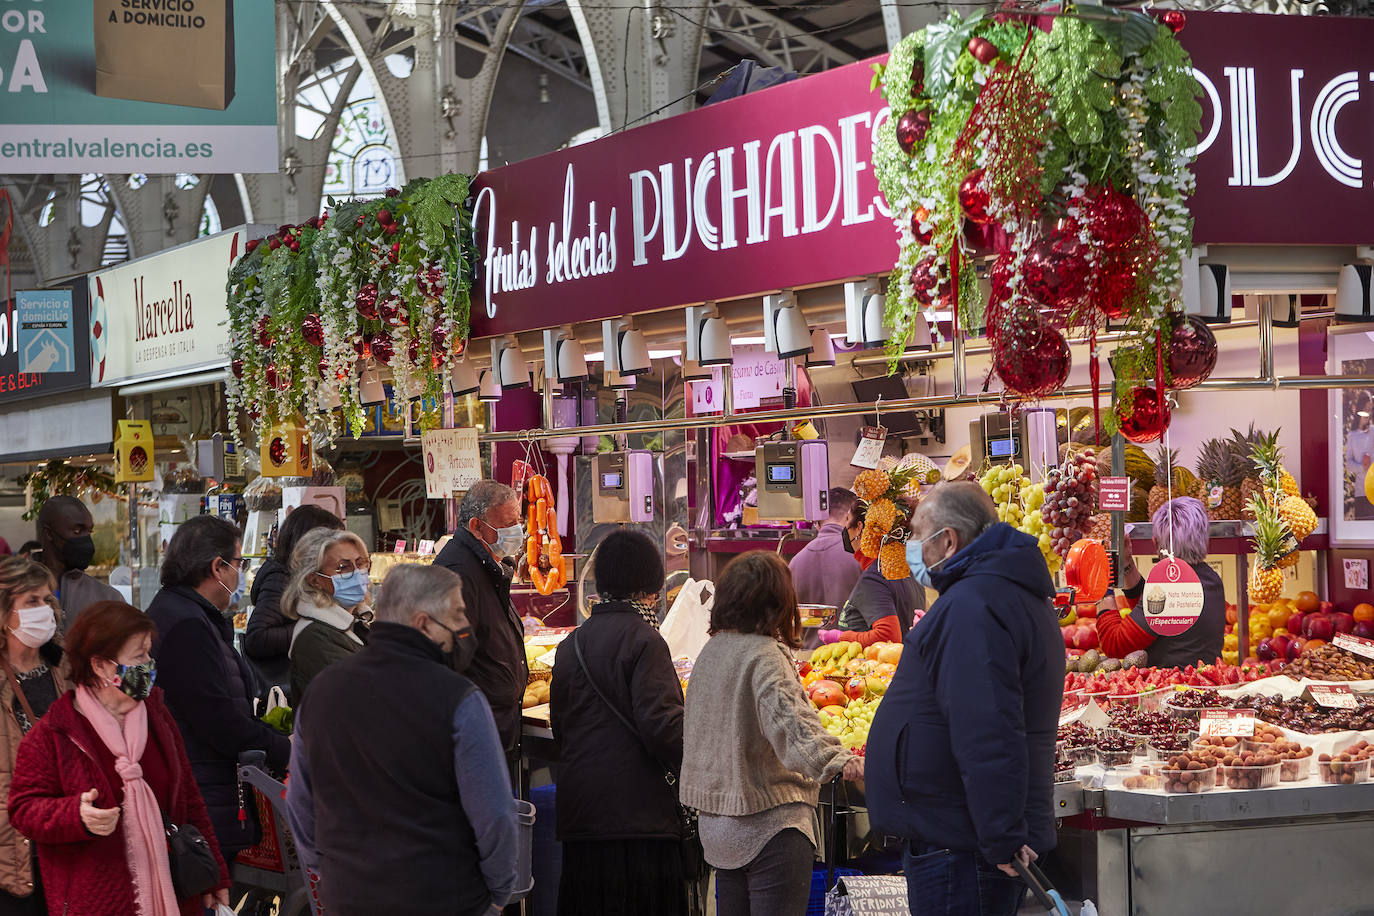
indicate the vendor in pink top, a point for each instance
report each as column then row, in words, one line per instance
column 825, row 571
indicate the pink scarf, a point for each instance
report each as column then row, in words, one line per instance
column 145, row 838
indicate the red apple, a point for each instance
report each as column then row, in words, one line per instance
column 1318, row 626
column 1295, row 647
column 1087, row 612
column 1342, row 622
column 855, row 687
column 1085, row 638
column 1068, row 636
column 1294, row 624
column 1363, row 629
column 1325, row 607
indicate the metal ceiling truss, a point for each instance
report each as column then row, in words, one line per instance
column 549, row 48
column 772, row 39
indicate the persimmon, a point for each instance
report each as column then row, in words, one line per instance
column 1308, row 602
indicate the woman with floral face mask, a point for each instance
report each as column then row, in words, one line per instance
column 327, row 597
column 99, row 776
column 36, row 674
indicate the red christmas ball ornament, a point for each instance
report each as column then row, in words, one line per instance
column 389, row 310
column 276, row 451
column 983, row 51
column 918, row 79
column 1192, row 351
column 911, row 129
column 1114, row 287
column 269, row 375
column 251, row 245
column 360, row 346
column 413, row 351
column 322, row 367
column 395, row 252
column 973, row 197
column 1174, row 20
column 430, row 282
column 924, row 278
column 391, row 229
column 1030, row 357
column 1056, row 272
column 236, row 366
column 919, row 216
column 264, row 336
column 382, row 348
column 1141, row 416
column 366, row 301
column 438, row 338
column 359, row 222
column 312, row 330
column 393, row 192
column 273, row 243
column 1114, row 219
column 294, row 244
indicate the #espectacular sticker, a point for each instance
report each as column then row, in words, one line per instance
column 1173, row 597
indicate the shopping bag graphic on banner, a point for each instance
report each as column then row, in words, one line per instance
column 686, row 627
column 176, row 54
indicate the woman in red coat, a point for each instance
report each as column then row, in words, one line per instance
column 98, row 774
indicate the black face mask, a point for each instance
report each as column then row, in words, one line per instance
column 848, row 544
column 77, row 552
column 464, row 648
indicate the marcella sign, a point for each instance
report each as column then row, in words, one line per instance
column 776, row 189
column 166, row 314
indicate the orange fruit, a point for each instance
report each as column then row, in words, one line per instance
column 1278, row 616
column 1312, row 645
column 1307, row 602
column 1363, row 611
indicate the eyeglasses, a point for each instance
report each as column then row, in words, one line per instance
column 236, row 562
column 347, row 566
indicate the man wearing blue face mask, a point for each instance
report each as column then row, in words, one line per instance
column 961, row 752
column 483, row 553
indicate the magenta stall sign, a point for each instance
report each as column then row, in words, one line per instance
column 777, row 189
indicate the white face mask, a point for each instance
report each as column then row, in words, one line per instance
column 36, row 625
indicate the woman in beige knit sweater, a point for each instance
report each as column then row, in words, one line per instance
column 754, row 749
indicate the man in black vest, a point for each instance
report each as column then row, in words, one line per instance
column 399, row 799
column 483, row 552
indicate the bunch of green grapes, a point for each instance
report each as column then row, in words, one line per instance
column 1007, row 485
column 1033, row 523
column 851, row 726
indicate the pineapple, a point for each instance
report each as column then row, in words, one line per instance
column 871, row 484
column 1244, row 444
column 1159, row 493
column 1298, row 516
column 1271, row 541
column 1268, row 460
column 892, row 560
column 1219, row 465
column 871, row 541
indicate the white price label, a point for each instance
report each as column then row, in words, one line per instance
column 1355, row 644
column 547, row 658
column 870, row 448
column 426, row 548
column 1335, row 696
column 547, row 639
column 1226, row 723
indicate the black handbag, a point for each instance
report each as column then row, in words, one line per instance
column 191, row 861
column 693, row 859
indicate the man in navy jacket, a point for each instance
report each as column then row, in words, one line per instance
column 961, row 752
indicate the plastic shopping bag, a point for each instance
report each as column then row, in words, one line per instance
column 685, row 628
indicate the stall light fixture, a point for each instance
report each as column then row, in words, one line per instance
column 822, row 350
column 463, row 380
column 1206, row 290
column 612, row 379
column 1352, row 299
column 694, row 371
column 784, row 326
column 565, row 359
column 708, row 337
column 508, row 363
column 488, row 390
column 623, row 347
column 863, row 314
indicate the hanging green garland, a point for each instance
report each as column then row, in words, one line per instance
column 382, row 282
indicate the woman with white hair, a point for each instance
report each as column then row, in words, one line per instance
column 1181, row 526
column 326, row 597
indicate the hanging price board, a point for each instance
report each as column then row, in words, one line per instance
column 1226, row 723
column 870, row 448
column 1114, row 494
column 1173, row 598
column 1334, row 696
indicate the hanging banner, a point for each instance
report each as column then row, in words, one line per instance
column 1173, row 597
column 452, row 461
column 165, row 314
column 43, row 342
column 776, row 189
column 137, row 86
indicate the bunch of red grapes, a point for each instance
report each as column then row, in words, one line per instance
column 1069, row 502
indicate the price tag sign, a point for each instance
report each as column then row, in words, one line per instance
column 1355, row 644
column 1356, row 571
column 870, row 448
column 1114, row 494
column 1334, row 696
column 1226, row 723
column 547, row 639
column 1173, row 598
column 547, row 658
column 400, row 546
column 426, row 548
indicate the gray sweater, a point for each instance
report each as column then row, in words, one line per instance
column 751, row 738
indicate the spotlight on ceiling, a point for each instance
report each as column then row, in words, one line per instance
column 565, row 359
column 624, row 348
column 822, row 349
column 488, row 390
column 508, row 363
column 784, row 326
column 708, row 338
column 464, row 379
column 1352, row 299
column 863, row 314
column 1207, row 290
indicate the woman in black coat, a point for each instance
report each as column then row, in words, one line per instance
column 620, row 825
column 269, row 630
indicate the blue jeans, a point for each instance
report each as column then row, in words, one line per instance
column 952, row 882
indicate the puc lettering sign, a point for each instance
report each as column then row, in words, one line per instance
column 776, row 189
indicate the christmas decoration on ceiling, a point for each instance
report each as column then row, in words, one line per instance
column 381, row 283
column 1048, row 152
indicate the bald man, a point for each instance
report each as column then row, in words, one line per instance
column 64, row 531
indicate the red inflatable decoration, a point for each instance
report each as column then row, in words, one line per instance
column 1192, row 351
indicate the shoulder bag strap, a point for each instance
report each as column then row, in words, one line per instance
column 577, row 647
column 14, row 683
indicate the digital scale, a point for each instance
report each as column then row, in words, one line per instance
column 1031, row 439
column 793, row 480
column 624, row 487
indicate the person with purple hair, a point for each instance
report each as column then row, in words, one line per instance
column 1124, row 632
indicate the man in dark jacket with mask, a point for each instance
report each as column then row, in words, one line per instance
column 64, row 529
column 483, row 552
column 399, row 800
column 961, row 752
